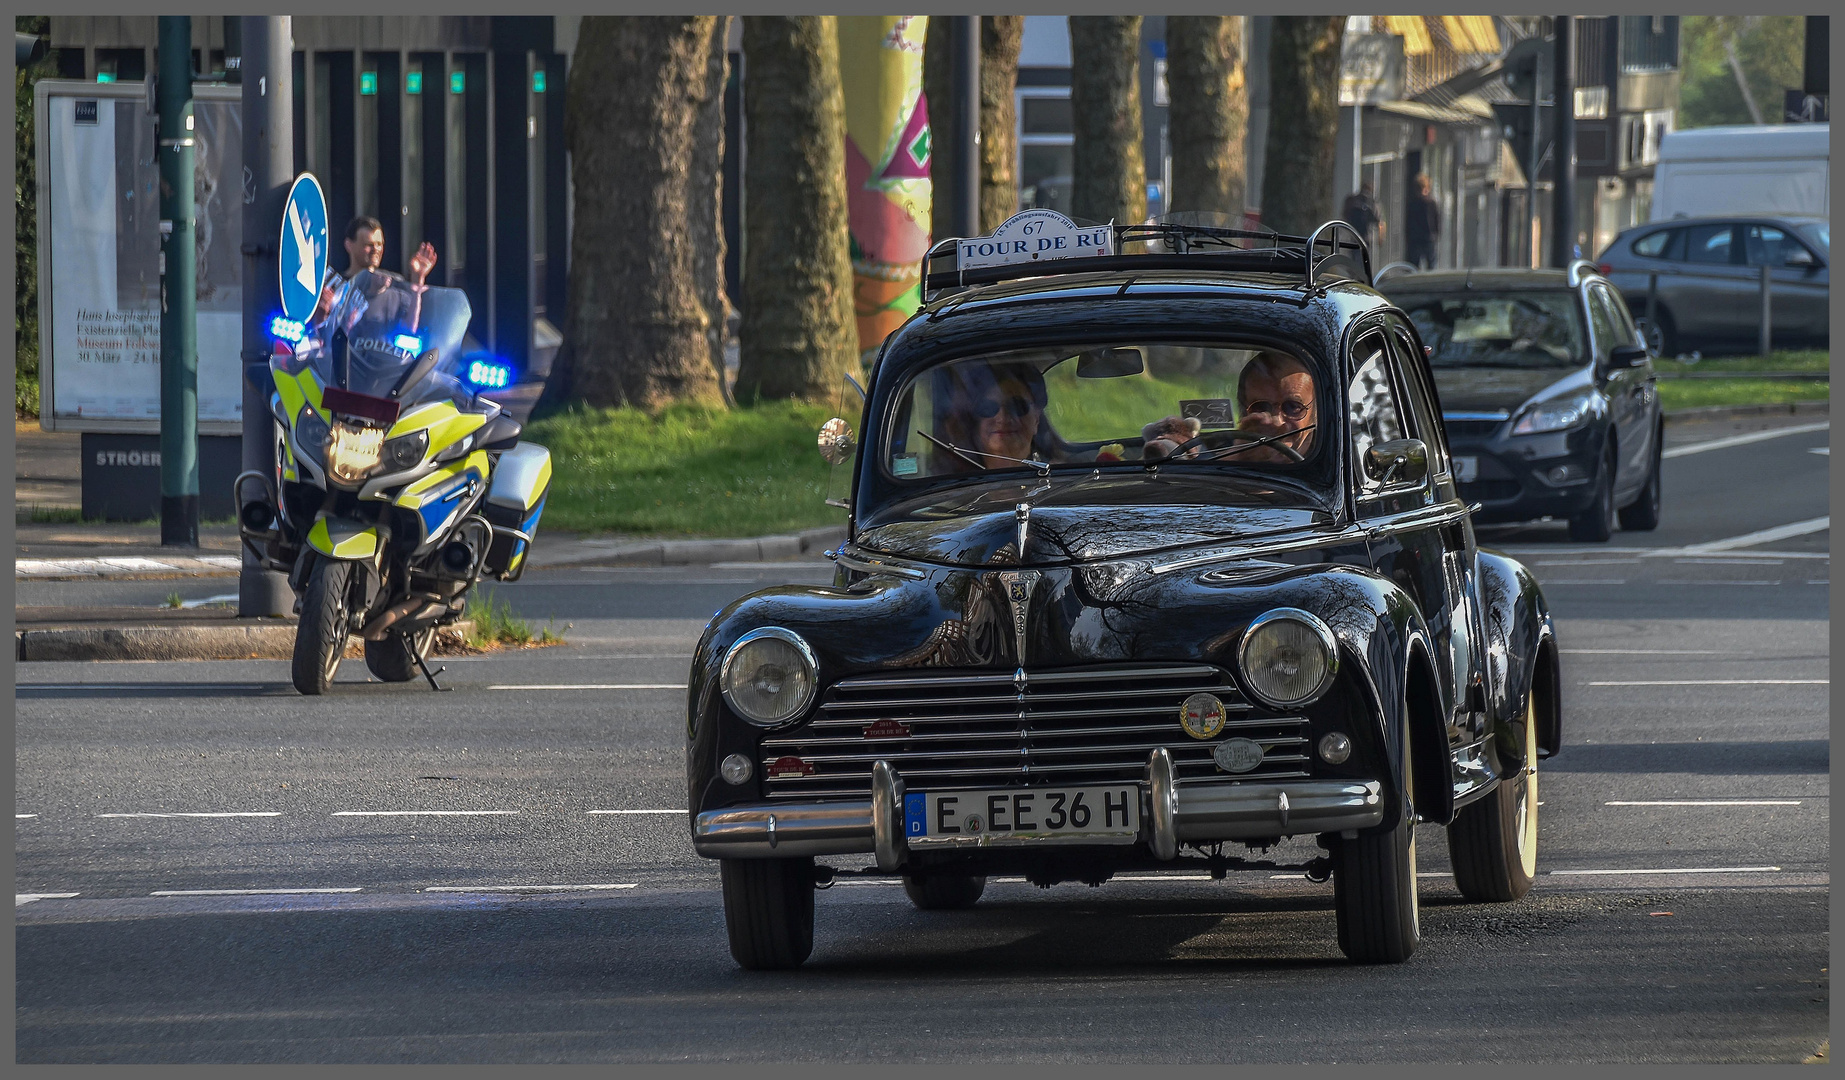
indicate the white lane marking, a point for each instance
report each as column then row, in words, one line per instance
column 419, row 813
column 1820, row 581
column 23, row 816
column 792, row 564
column 1674, row 870
column 235, row 813
column 1824, row 450
column 1583, row 581
column 227, row 598
column 593, row 686
column 1763, row 536
column 1728, row 562
column 1717, row 682
column 1663, row 581
column 526, row 888
column 1743, row 440
column 1708, row 802
column 1645, row 553
column 249, row 892
column 1161, row 877
column 637, row 811
column 1644, row 652
column 24, row 898
column 852, row 882
column 1585, row 562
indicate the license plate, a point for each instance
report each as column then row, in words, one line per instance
column 998, row 816
column 1466, row 468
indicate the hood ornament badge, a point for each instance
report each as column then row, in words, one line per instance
column 1023, row 513
column 1019, row 584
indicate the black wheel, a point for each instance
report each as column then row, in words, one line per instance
column 1493, row 843
column 320, row 636
column 1374, row 888
column 1659, row 335
column 769, row 911
column 393, row 658
column 1596, row 523
column 944, row 892
column 1643, row 514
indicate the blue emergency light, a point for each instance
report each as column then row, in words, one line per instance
column 408, row 342
column 488, row 375
column 287, row 329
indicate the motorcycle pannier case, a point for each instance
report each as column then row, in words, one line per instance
column 517, row 498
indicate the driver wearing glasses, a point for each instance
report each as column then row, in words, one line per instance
column 998, row 414
column 1274, row 395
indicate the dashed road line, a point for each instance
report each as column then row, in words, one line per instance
column 1713, row 581
column 1825, row 450
column 252, row 892
column 526, row 888
column 1644, row 652
column 230, row 814
column 24, row 898
column 420, row 813
column 637, row 811
column 22, row 817
column 1671, row 870
column 1584, row 581
column 592, row 686
column 1743, row 440
column 1715, row 682
column 1761, row 536
column 1704, row 802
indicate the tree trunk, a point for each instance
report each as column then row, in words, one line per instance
column 1303, row 125
column 708, row 191
column 646, row 241
column 799, row 332
column 1209, row 113
column 1109, row 181
column 1000, row 38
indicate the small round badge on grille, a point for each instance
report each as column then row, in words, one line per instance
column 1237, row 755
column 1202, row 716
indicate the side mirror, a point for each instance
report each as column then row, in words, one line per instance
column 1627, row 356
column 1109, row 363
column 1399, row 461
column 836, row 443
column 1801, row 259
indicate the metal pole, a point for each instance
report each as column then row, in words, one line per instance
column 1358, row 147
column 268, row 156
column 1767, row 312
column 964, row 75
column 1531, row 209
column 1652, row 299
column 1563, row 191
column 179, row 355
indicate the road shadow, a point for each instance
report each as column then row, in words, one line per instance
column 1708, row 758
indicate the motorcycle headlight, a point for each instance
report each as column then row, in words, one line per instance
column 353, row 453
column 769, row 676
column 1558, row 414
column 1288, row 657
column 406, row 451
column 311, row 435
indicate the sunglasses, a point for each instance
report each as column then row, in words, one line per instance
column 1293, row 410
column 987, row 408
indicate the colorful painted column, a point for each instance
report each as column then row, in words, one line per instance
column 887, row 168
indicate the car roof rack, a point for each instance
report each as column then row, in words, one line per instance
column 1391, row 268
column 1577, row 267
column 1037, row 243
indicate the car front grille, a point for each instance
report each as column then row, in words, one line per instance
column 945, row 730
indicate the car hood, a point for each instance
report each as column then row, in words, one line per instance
column 1094, row 525
column 1494, row 389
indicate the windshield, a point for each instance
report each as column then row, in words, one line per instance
column 1820, row 235
column 389, row 325
column 1101, row 405
column 1504, row 330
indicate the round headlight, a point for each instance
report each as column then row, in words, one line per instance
column 769, row 676
column 1288, row 657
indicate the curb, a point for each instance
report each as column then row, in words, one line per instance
column 1724, row 412
column 684, row 552
column 255, row 639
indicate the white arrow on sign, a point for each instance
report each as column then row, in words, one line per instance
column 304, row 273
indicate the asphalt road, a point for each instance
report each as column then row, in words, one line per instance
column 1681, row 912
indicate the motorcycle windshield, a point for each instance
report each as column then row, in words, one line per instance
column 388, row 326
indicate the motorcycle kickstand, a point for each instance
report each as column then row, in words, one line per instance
column 430, row 675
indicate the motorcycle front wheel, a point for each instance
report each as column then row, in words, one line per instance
column 320, row 637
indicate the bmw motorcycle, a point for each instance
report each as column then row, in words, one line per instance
column 397, row 487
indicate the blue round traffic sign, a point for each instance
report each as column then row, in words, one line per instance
column 303, row 248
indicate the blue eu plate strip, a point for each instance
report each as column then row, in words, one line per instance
column 915, row 815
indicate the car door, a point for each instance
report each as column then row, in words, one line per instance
column 1798, row 293
column 1403, row 521
column 1710, row 296
column 1626, row 389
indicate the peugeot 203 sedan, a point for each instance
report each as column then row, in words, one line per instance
column 1155, row 561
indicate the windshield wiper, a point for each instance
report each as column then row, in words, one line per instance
column 1265, row 441
column 1043, row 467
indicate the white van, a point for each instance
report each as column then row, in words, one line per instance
column 1766, row 169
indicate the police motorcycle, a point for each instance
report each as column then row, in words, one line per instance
column 397, row 487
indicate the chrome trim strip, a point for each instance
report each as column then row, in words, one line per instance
column 1348, row 535
column 1163, row 794
column 887, row 839
column 1253, row 811
column 1423, row 517
column 784, row 830
column 877, row 566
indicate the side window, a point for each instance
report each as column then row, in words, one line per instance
column 1710, row 244
column 1602, row 318
column 1424, row 416
column 1654, row 245
column 1372, row 403
column 1769, row 246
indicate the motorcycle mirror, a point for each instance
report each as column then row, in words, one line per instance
column 415, row 375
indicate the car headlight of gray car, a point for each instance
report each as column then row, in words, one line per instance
column 1557, row 414
column 769, row 676
column 1288, row 657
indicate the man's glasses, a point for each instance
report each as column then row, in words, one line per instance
column 987, row 408
column 1291, row 409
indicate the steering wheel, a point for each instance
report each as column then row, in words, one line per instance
column 1233, row 436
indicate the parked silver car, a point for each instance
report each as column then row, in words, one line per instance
column 1708, row 292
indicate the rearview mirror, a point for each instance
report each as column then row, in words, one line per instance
column 1109, row 363
column 836, row 441
column 1399, row 461
column 1627, row 356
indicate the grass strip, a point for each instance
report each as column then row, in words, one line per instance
column 1815, row 360
column 1707, row 393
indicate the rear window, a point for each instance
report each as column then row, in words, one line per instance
column 1510, row 329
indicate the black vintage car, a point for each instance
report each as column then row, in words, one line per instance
column 1155, row 560
column 1552, row 406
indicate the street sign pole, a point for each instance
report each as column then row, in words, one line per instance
column 268, row 159
column 964, row 75
column 179, row 355
column 1563, row 168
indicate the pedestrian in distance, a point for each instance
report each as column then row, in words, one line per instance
column 1421, row 226
column 365, row 251
column 1360, row 212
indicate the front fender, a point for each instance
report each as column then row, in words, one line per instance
column 344, row 538
column 1520, row 654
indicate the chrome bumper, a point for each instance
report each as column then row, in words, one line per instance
column 1189, row 813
